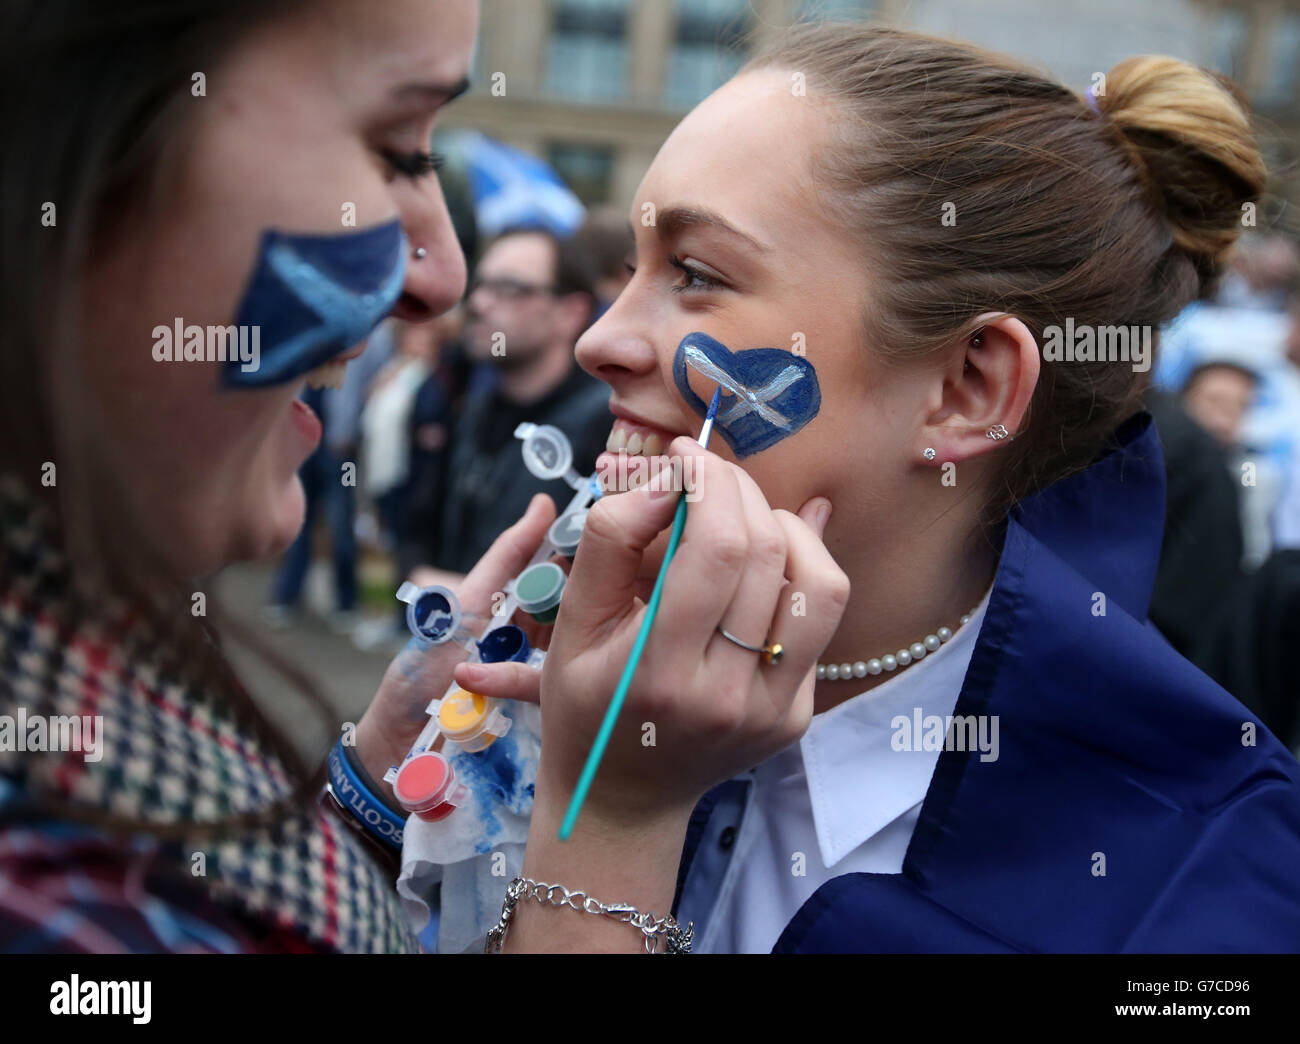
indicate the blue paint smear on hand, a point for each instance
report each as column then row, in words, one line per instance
column 768, row 394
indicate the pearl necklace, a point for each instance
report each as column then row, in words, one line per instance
column 890, row 661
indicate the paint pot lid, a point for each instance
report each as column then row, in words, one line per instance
column 423, row 780
column 566, row 530
column 433, row 614
column 462, row 712
column 539, row 587
column 547, row 452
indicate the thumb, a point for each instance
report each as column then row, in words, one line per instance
column 507, row 556
column 506, row 681
column 815, row 513
column 603, row 579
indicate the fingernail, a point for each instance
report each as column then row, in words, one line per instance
column 665, row 489
column 823, row 513
column 471, row 673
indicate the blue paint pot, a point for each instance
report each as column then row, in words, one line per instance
column 506, row 644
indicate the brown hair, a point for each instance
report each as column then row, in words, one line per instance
column 1120, row 218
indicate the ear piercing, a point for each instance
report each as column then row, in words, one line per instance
column 420, row 253
column 996, row 432
column 929, row 453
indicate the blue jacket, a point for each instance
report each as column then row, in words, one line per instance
column 1111, row 745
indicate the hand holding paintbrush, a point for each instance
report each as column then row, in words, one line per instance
column 716, row 709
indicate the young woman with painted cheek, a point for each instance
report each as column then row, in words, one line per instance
column 774, row 270
column 293, row 192
column 986, row 716
column 305, row 129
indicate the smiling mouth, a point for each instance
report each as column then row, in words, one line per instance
column 637, row 439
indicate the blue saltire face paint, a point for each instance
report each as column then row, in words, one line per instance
column 768, row 394
column 314, row 296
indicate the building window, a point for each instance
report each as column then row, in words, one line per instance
column 587, row 52
column 1280, row 78
column 707, row 48
column 587, row 169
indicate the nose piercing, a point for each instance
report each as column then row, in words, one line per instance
column 420, row 253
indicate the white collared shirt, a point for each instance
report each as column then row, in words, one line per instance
column 842, row 800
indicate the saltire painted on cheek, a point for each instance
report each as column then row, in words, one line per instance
column 314, row 296
column 768, row 394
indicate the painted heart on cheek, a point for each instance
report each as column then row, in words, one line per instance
column 768, row 394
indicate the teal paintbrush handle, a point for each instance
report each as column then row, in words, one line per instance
column 624, row 682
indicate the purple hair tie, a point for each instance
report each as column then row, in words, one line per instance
column 1091, row 99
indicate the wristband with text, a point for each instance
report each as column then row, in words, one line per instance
column 366, row 807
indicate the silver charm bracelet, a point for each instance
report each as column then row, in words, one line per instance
column 676, row 939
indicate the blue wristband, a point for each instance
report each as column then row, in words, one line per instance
column 376, row 817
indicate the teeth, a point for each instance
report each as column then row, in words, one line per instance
column 635, row 444
column 327, row 375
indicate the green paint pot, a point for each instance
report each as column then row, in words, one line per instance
column 539, row 588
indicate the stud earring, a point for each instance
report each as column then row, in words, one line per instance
column 996, row 432
column 929, row 453
column 420, row 253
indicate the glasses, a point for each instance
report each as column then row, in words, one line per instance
column 510, row 289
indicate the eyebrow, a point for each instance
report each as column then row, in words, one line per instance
column 443, row 92
column 674, row 220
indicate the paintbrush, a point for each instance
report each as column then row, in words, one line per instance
column 634, row 658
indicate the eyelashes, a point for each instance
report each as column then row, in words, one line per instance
column 696, row 279
column 413, row 165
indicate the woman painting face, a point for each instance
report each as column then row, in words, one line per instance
column 310, row 129
column 735, row 244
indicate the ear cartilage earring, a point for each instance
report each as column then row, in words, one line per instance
column 996, row 432
column 928, row 453
column 420, row 253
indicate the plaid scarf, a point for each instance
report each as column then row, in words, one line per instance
column 174, row 755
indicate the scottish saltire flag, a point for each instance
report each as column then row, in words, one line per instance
column 510, row 187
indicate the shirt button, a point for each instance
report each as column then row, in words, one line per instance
column 727, row 838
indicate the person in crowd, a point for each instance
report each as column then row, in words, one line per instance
column 1238, row 625
column 1202, row 548
column 1217, row 396
column 1261, row 275
column 386, row 425
column 1286, row 517
column 532, row 296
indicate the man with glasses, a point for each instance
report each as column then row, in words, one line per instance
column 531, row 297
